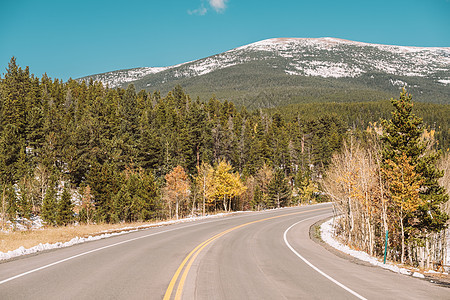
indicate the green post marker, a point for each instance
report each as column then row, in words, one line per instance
column 385, row 245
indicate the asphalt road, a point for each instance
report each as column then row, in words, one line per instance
column 266, row 255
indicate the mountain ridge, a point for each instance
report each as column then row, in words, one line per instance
column 330, row 62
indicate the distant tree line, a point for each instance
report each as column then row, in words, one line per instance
column 359, row 116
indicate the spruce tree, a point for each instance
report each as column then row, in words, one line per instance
column 14, row 97
column 280, row 191
column 402, row 133
column 258, row 198
column 24, row 205
column 105, row 182
column 402, row 137
column 65, row 208
column 49, row 206
column 11, row 204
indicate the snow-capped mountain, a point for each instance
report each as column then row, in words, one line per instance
column 421, row 68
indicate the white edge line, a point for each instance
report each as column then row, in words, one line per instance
column 105, row 247
column 314, row 267
column 84, row 253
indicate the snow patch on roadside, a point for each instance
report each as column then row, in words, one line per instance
column 42, row 247
column 23, row 224
column 102, row 235
column 418, row 275
column 327, row 233
column 328, row 236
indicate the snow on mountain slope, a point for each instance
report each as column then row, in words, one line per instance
column 331, row 57
column 323, row 57
column 116, row 78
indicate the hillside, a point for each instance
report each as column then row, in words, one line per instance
column 277, row 72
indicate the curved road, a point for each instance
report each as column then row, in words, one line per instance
column 266, row 255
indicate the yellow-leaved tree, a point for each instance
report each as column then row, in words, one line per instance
column 404, row 184
column 205, row 183
column 227, row 185
column 176, row 189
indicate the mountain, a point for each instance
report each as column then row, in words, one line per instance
column 284, row 71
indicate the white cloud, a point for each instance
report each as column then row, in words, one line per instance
column 201, row 11
column 218, row 5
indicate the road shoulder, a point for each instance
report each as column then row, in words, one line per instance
column 314, row 234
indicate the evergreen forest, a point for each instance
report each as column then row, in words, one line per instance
column 105, row 154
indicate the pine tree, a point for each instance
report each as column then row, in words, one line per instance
column 14, row 96
column 15, row 88
column 64, row 214
column 148, row 192
column 430, row 215
column 280, row 191
column 129, row 127
column 403, row 131
column 401, row 139
column 137, row 199
column 10, row 202
column 24, row 204
column 10, row 154
column 258, row 198
column 49, row 206
column 105, row 182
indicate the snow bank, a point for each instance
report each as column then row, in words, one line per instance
column 418, row 275
column 41, row 247
column 102, row 235
column 327, row 234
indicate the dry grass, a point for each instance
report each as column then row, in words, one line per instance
column 13, row 240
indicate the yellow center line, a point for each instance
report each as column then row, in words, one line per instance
column 194, row 253
column 177, row 273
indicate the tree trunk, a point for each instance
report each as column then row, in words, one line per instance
column 350, row 220
column 204, row 196
column 369, row 233
column 402, row 260
column 193, row 204
column 170, row 209
column 383, row 202
column 198, row 158
column 3, row 209
column 427, row 252
column 410, row 258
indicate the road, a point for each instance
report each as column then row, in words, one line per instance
column 266, row 255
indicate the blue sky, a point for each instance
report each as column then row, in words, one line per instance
column 83, row 37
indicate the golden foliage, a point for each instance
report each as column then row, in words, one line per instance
column 404, row 184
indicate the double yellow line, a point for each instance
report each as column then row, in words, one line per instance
column 189, row 260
